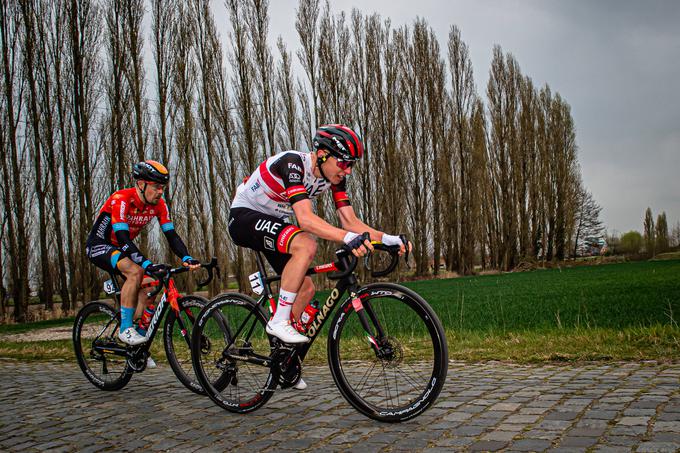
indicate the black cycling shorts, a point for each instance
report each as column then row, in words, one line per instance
column 104, row 255
column 265, row 233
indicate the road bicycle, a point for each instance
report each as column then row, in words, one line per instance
column 386, row 347
column 109, row 363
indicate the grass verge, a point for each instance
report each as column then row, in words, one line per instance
column 659, row 342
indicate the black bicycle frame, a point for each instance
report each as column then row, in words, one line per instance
column 347, row 282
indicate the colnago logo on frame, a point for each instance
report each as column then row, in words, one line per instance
column 323, row 313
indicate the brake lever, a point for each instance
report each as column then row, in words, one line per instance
column 404, row 241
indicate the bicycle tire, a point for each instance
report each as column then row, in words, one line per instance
column 249, row 386
column 99, row 322
column 412, row 338
column 177, row 341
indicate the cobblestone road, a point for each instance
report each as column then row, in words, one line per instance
column 493, row 406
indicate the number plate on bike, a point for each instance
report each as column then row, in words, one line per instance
column 109, row 287
column 256, row 283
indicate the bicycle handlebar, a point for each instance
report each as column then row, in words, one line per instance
column 209, row 266
column 349, row 262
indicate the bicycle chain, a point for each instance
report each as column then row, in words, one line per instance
column 287, row 366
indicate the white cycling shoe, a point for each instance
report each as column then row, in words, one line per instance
column 150, row 363
column 131, row 336
column 301, row 385
column 285, row 332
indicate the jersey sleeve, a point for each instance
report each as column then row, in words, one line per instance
column 163, row 216
column 119, row 209
column 340, row 194
column 174, row 240
column 291, row 170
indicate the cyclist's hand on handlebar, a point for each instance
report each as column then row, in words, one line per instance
column 400, row 240
column 191, row 263
column 157, row 271
column 359, row 244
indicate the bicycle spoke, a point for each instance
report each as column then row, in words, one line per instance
column 395, row 380
column 237, row 330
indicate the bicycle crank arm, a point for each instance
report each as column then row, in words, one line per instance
column 111, row 348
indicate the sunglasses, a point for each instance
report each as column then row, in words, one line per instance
column 345, row 164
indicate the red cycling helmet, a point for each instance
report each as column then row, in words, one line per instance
column 340, row 141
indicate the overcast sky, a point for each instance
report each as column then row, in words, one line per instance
column 617, row 63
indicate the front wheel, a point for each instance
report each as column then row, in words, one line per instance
column 177, row 340
column 395, row 371
column 101, row 356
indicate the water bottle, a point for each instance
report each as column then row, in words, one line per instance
column 309, row 315
column 145, row 320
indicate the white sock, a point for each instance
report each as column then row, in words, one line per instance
column 284, row 307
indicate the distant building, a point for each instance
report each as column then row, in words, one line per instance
column 592, row 246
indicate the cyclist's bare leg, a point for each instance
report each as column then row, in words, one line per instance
column 302, row 250
column 142, row 299
column 304, row 296
column 134, row 275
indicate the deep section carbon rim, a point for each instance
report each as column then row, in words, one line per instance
column 177, row 339
column 96, row 329
column 235, row 344
column 401, row 374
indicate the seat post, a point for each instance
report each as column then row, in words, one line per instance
column 260, row 264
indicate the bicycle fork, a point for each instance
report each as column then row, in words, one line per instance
column 365, row 313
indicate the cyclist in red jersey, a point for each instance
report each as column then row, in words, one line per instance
column 110, row 247
column 283, row 186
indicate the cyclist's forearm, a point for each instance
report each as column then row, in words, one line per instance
column 319, row 227
column 351, row 222
column 130, row 250
column 176, row 244
column 360, row 227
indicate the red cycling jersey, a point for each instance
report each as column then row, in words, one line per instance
column 129, row 212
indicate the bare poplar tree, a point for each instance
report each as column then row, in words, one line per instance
column 118, row 97
column 661, row 233
column 207, row 53
column 649, row 233
column 502, row 95
column 588, row 224
column 134, row 69
column 84, row 33
column 257, row 20
column 306, row 18
column 14, row 200
column 30, row 51
column 183, row 120
column 459, row 186
column 288, row 127
column 162, row 23
column 248, row 120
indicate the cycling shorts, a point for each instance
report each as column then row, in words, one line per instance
column 104, row 255
column 263, row 232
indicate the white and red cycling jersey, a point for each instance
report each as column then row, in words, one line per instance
column 283, row 180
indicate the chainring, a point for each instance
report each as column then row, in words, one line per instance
column 286, row 367
column 137, row 360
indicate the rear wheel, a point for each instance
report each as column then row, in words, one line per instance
column 229, row 342
column 95, row 337
column 397, row 372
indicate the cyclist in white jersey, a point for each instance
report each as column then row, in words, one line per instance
column 261, row 214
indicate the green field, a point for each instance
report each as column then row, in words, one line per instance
column 627, row 311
